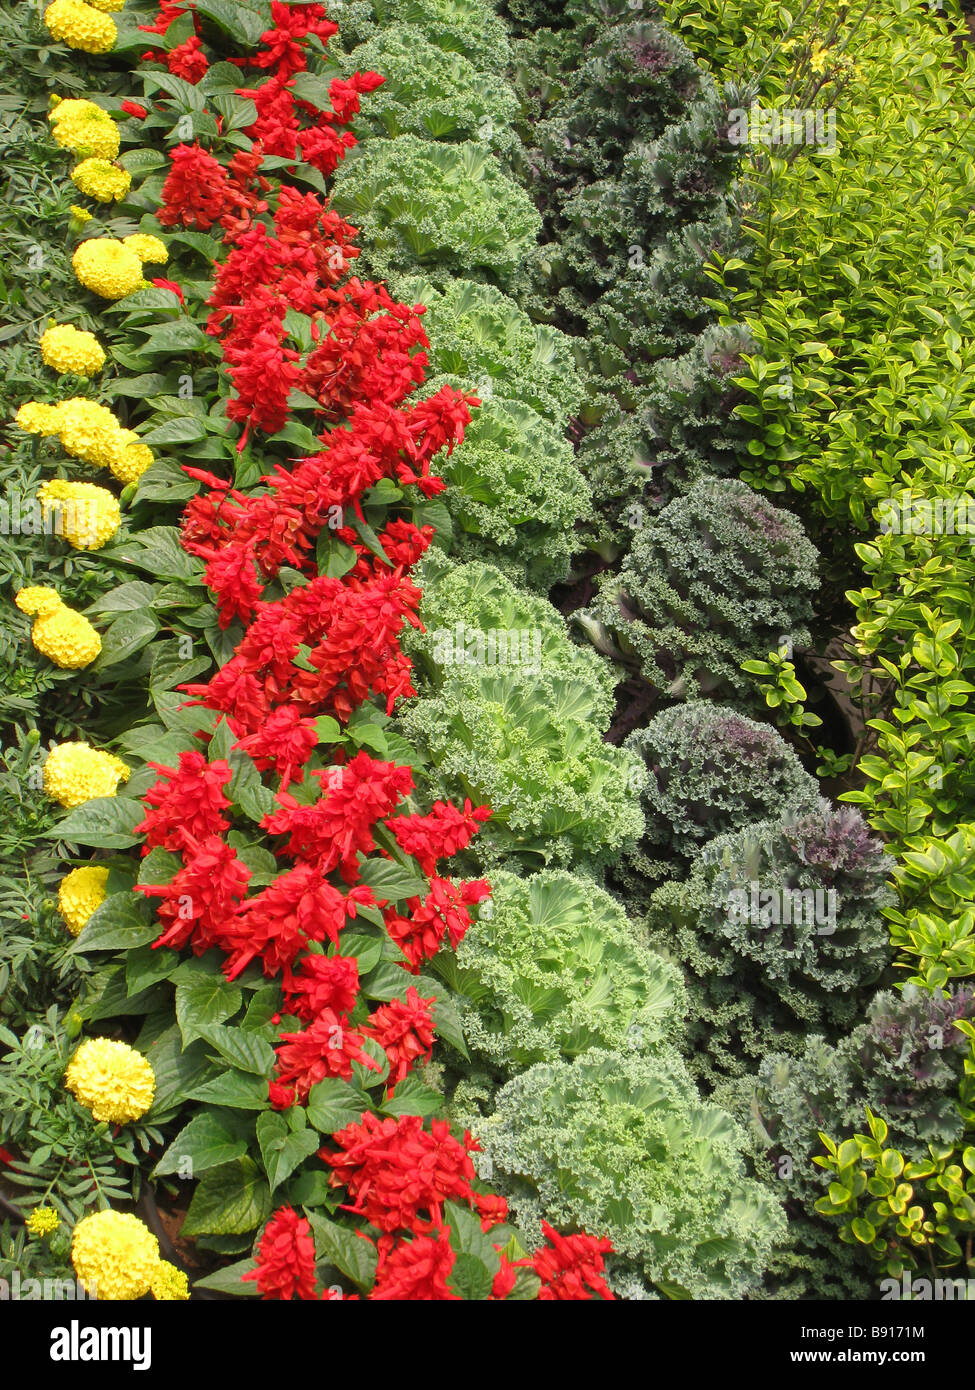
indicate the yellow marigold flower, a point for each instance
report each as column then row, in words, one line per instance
column 101, row 179
column 38, row 598
column 170, row 1284
column 42, row 1221
column 85, row 515
column 81, row 26
column 135, row 459
column 75, row 773
column 79, row 894
column 34, row 417
column 146, row 247
column 113, row 1080
column 106, row 5
column 91, row 432
column 80, row 214
column 68, row 349
column 107, row 267
column 59, row 632
column 114, row 1255
column 84, row 128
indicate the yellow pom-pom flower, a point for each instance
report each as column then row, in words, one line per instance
column 81, row 215
column 135, row 459
column 109, row 6
column 81, row 26
column 69, row 349
column 147, row 248
column 80, row 893
column 170, row 1284
column 42, row 1221
column 75, row 773
column 85, row 129
column 38, row 598
column 91, row 432
column 114, row 1081
column 108, row 268
column 115, row 1255
column 59, row 632
column 101, row 179
column 85, row 515
column 34, row 417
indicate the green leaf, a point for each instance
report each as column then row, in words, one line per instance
column 233, row 1199
column 333, row 1104
column 237, row 1089
column 390, row 882
column 244, row 1050
column 105, row 822
column 206, row 1002
column 246, row 790
column 127, row 635
column 283, row 1150
column 145, row 967
column 471, row 1278
column 184, row 429
column 123, row 922
column 206, row 1142
column 230, row 1278
column 345, row 1251
column 413, row 1097
column 177, row 1070
column 157, row 550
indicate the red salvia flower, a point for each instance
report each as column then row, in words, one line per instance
column 442, row 913
column 187, row 804
column 405, row 1032
column 203, row 895
column 417, row 1270
column 397, row 1173
column 333, row 832
column 284, row 742
column 444, row 832
column 279, row 922
column 327, row 1048
column 133, row 108
column 285, row 1258
column 571, row 1267
column 320, row 983
column 196, row 190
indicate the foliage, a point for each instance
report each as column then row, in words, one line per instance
column 714, row 575
column 614, row 1142
column 432, row 92
column 778, row 928
column 862, row 339
column 468, row 27
column 713, row 771
column 904, row 1061
column 481, row 599
column 516, row 493
column 443, row 209
column 531, row 747
column 552, row 968
column 483, row 342
column 910, row 1215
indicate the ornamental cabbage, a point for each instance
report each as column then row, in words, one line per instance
column 554, row 967
column 623, row 1145
column 448, row 209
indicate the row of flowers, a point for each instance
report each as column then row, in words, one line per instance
column 321, row 649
